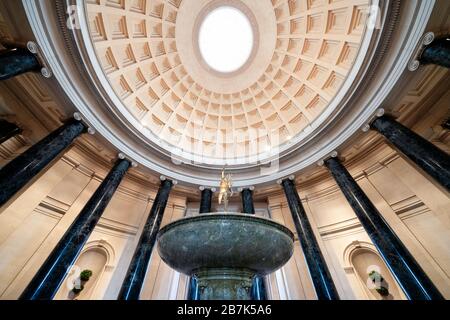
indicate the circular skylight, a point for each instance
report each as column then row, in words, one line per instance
column 226, row 39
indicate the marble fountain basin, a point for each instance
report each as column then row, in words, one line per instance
column 225, row 251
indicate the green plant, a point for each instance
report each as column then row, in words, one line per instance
column 380, row 283
column 85, row 275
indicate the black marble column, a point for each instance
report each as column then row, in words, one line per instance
column 320, row 275
column 427, row 156
column 205, row 207
column 205, row 201
column 247, row 201
column 437, row 52
column 18, row 172
column 413, row 280
column 258, row 291
column 193, row 290
column 17, row 61
column 135, row 277
column 8, row 130
column 52, row 273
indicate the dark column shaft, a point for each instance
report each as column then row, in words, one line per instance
column 205, row 201
column 430, row 158
column 135, row 277
column 205, row 207
column 437, row 52
column 247, row 201
column 18, row 172
column 193, row 292
column 258, row 291
column 8, row 130
column 17, row 61
column 321, row 277
column 411, row 277
column 50, row 276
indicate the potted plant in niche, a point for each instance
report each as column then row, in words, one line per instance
column 380, row 284
column 84, row 277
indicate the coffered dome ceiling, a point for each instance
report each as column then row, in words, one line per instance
column 303, row 52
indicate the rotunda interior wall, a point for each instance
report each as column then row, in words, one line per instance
column 32, row 223
column 400, row 191
column 412, row 204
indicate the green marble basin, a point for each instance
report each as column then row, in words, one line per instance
column 225, row 251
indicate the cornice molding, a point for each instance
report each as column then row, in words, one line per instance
column 337, row 229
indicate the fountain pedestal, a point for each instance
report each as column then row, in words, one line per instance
column 225, row 251
column 225, row 284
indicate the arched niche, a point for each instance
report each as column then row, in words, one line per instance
column 361, row 259
column 97, row 257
